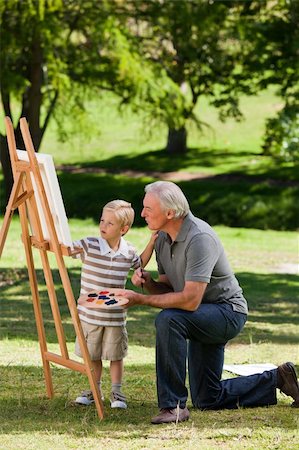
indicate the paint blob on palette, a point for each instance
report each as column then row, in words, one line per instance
column 102, row 299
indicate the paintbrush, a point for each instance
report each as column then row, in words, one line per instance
column 141, row 269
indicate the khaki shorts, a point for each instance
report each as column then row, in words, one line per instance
column 109, row 343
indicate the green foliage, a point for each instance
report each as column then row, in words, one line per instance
column 281, row 137
column 270, row 56
column 190, row 41
column 23, row 25
column 220, row 50
column 55, row 54
column 139, row 82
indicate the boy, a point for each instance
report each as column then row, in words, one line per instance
column 107, row 260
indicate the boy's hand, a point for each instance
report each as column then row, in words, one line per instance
column 154, row 236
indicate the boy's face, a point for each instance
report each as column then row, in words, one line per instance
column 110, row 227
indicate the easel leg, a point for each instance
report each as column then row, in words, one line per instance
column 36, row 301
column 54, row 304
column 9, row 211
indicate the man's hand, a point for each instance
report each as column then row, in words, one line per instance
column 140, row 277
column 133, row 297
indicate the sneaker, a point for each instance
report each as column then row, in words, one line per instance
column 167, row 415
column 86, row 398
column 118, row 400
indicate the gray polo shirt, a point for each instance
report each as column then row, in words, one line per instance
column 198, row 255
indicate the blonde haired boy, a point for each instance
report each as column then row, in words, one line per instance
column 107, row 260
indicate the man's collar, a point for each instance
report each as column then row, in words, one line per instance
column 184, row 230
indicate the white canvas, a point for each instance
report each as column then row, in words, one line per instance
column 52, row 189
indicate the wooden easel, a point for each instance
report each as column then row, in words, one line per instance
column 22, row 197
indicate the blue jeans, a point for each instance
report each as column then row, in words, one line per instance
column 199, row 337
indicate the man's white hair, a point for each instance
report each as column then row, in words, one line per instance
column 170, row 197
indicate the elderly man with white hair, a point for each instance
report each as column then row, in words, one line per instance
column 203, row 307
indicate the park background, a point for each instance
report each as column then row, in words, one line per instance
column 239, row 175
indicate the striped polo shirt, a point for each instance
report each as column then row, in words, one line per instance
column 103, row 268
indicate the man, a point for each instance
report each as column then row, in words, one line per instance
column 203, row 307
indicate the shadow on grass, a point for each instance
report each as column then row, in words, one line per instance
column 25, row 408
column 17, row 314
column 249, row 162
column 160, row 160
column 272, row 298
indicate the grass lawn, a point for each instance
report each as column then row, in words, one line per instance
column 31, row 421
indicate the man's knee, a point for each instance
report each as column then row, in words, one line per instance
column 171, row 319
column 163, row 318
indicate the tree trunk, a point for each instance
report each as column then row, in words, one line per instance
column 177, row 141
column 6, row 165
column 7, row 172
column 34, row 93
column 31, row 108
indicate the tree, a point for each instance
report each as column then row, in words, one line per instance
column 160, row 55
column 217, row 49
column 195, row 44
column 52, row 55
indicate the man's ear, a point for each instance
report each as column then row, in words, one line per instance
column 124, row 230
column 170, row 214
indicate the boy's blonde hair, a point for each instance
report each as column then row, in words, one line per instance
column 123, row 211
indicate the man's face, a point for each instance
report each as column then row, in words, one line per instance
column 153, row 214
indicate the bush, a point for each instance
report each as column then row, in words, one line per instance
column 249, row 205
column 281, row 137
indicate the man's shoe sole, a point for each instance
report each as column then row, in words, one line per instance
column 170, row 421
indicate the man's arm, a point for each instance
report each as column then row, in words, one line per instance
column 162, row 296
column 161, row 286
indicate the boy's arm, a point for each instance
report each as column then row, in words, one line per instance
column 148, row 251
column 80, row 244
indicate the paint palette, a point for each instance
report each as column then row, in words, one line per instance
column 102, row 299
